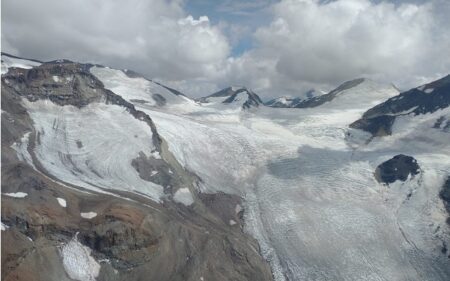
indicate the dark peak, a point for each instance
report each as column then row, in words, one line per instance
column 443, row 82
column 230, row 95
column 133, row 74
column 321, row 99
column 348, row 85
column 400, row 167
column 427, row 98
column 229, row 91
column 173, row 91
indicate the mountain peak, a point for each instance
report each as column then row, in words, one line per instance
column 233, row 95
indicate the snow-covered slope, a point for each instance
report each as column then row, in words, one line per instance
column 9, row 61
column 351, row 94
column 426, row 99
column 95, row 156
column 312, row 199
column 139, row 90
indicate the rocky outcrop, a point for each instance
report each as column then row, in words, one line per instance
column 425, row 99
column 400, row 167
column 230, row 95
column 129, row 235
column 444, row 194
column 319, row 100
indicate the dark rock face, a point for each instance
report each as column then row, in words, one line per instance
column 226, row 206
column 230, row 95
column 316, row 101
column 445, row 196
column 425, row 99
column 160, row 100
column 397, row 168
column 63, row 83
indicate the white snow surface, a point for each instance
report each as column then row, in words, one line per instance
column 62, row 202
column 183, row 196
column 138, row 90
column 367, row 94
column 16, row 194
column 88, row 215
column 8, row 62
column 78, row 262
column 3, row 226
column 311, row 199
column 92, row 147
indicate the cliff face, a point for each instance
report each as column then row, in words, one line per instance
column 56, row 229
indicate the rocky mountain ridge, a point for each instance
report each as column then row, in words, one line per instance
column 53, row 229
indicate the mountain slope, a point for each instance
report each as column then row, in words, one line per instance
column 137, row 89
column 350, row 93
column 425, row 99
column 91, row 192
column 320, row 204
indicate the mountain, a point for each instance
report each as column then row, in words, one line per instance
column 359, row 91
column 234, row 96
column 90, row 190
column 425, row 99
column 287, row 101
column 100, row 182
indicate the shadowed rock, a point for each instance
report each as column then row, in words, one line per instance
column 400, row 167
column 425, row 99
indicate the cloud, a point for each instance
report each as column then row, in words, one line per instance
column 154, row 37
column 296, row 44
column 316, row 43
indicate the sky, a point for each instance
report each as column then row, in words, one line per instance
column 275, row 47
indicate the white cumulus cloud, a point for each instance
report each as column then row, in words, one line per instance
column 155, row 37
column 313, row 43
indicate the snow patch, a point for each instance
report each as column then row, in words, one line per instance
column 21, row 149
column 88, row 215
column 155, row 154
column 4, row 226
column 62, row 202
column 237, row 209
column 183, row 196
column 78, row 262
column 16, row 194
